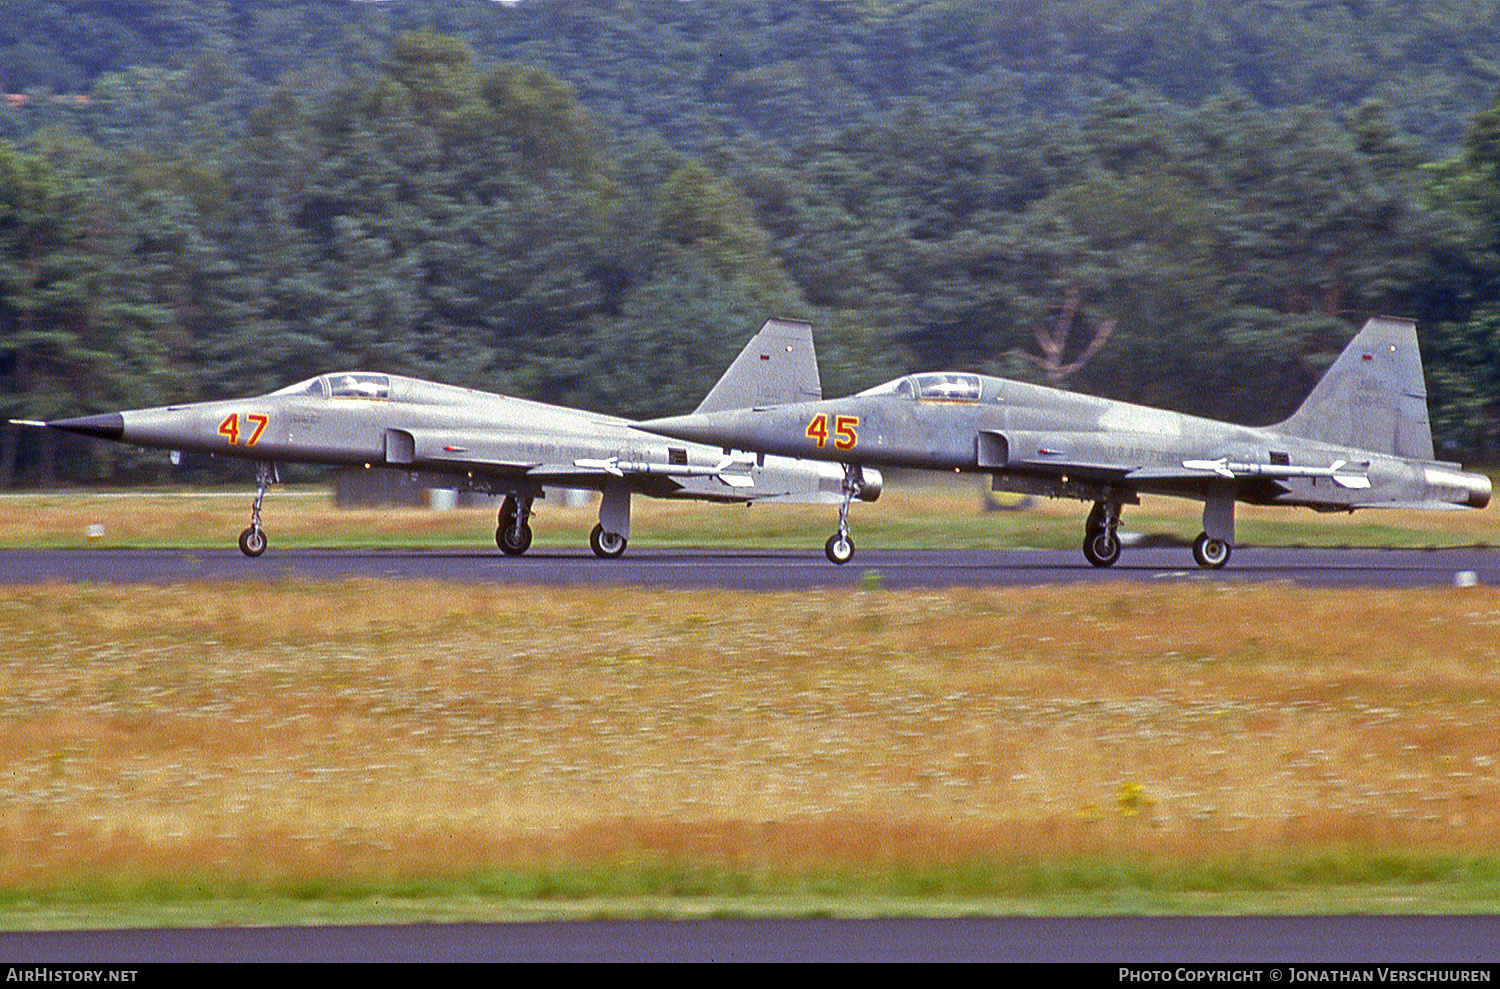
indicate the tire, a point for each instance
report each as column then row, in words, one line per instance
column 606, row 544
column 1211, row 554
column 521, row 545
column 253, row 541
column 1101, row 547
column 839, row 549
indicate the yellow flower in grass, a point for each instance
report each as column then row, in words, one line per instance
column 1131, row 799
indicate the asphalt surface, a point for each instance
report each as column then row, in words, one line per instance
column 759, row 570
column 1168, row 940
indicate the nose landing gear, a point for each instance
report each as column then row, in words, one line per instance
column 253, row 540
column 840, row 546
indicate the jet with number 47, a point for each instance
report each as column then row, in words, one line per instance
column 460, row 438
column 1361, row 439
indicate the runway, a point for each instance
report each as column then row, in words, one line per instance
column 1251, row 941
column 759, row 570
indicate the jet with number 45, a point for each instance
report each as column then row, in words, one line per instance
column 1360, row 440
column 460, row 438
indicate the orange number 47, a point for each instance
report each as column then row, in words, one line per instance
column 230, row 428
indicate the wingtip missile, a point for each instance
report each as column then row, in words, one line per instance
column 610, row 465
column 1340, row 472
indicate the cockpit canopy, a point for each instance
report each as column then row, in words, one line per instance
column 345, row 384
column 937, row 386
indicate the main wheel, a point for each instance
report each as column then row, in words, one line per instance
column 1101, row 547
column 503, row 539
column 840, row 549
column 606, row 544
column 1211, row 554
column 253, row 541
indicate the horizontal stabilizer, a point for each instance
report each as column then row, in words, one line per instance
column 777, row 366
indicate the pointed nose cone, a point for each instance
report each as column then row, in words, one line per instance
column 109, row 426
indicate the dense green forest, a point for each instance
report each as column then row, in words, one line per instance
column 595, row 203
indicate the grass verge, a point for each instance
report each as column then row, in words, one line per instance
column 937, row 514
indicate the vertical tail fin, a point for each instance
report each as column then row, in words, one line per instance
column 1373, row 397
column 777, row 366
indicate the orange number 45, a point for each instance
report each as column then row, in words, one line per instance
column 844, row 435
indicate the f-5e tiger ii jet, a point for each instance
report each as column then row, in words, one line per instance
column 1360, row 440
column 450, row 437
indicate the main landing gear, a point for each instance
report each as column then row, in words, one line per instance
column 1211, row 548
column 253, row 540
column 613, row 531
column 513, row 526
column 840, row 547
column 1101, row 541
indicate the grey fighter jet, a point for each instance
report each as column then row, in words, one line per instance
column 1360, row 440
column 449, row 437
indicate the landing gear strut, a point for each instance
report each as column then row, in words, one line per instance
column 513, row 528
column 613, row 531
column 1211, row 548
column 253, row 540
column 1101, row 543
column 840, row 547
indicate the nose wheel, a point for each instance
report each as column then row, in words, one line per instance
column 253, row 540
column 840, row 547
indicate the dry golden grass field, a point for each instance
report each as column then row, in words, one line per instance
column 439, row 750
column 361, row 739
